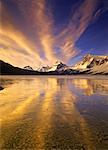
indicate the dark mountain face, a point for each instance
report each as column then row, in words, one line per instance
column 60, row 65
column 1, row 88
column 28, row 68
column 7, row 69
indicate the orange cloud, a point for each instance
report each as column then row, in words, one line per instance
column 39, row 22
column 44, row 26
column 36, row 13
column 10, row 36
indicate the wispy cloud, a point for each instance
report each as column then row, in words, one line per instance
column 81, row 18
column 12, row 36
column 38, row 20
column 44, row 25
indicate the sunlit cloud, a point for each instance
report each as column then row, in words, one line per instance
column 8, row 33
column 42, row 24
column 37, row 44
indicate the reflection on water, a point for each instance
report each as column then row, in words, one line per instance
column 50, row 112
column 90, row 87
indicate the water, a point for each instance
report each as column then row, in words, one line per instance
column 54, row 112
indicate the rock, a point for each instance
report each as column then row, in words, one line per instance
column 1, row 88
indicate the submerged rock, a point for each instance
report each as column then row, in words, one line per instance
column 1, row 88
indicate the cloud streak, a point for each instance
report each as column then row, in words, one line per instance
column 13, row 37
column 78, row 23
column 37, row 44
column 42, row 25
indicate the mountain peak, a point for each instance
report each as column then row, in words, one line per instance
column 90, row 61
column 58, row 62
column 57, row 66
column 28, row 68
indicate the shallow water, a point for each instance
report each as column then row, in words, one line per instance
column 54, row 112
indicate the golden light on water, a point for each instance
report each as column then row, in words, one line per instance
column 44, row 112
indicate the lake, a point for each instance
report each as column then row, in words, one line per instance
column 54, row 112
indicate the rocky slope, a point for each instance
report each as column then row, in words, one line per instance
column 100, row 69
column 93, row 64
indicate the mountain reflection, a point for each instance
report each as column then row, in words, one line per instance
column 41, row 112
column 92, row 86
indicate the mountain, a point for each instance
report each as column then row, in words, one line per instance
column 90, row 64
column 28, row 68
column 100, row 69
column 43, row 69
column 93, row 64
column 90, row 61
column 7, row 69
column 58, row 66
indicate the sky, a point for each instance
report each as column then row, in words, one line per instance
column 41, row 32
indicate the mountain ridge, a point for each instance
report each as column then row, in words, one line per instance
column 90, row 64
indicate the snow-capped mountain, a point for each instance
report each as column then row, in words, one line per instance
column 28, row 68
column 90, row 61
column 58, row 66
column 43, row 69
column 90, row 64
